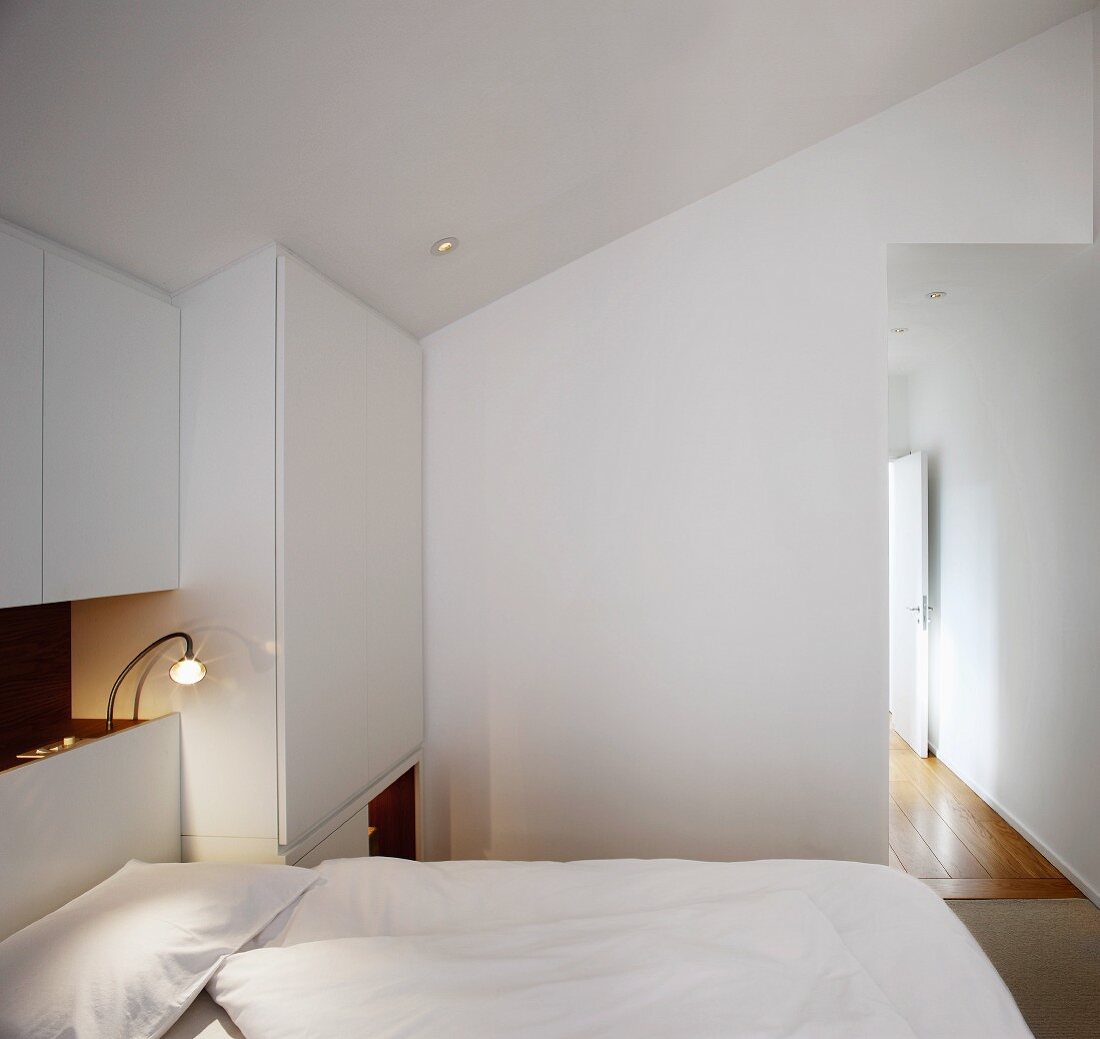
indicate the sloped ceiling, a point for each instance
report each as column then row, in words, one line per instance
column 168, row 137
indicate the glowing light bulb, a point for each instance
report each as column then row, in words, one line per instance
column 187, row 671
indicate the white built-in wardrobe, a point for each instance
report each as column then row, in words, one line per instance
column 348, row 546
column 300, row 566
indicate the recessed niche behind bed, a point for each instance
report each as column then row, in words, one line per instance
column 35, row 674
column 393, row 816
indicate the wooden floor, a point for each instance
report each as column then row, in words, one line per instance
column 943, row 833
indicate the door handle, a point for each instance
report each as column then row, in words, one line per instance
column 922, row 612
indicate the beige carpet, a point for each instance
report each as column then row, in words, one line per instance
column 1048, row 952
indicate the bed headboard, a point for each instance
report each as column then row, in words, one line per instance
column 69, row 821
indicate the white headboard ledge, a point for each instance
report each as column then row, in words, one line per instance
column 72, row 820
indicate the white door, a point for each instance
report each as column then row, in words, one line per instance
column 909, row 599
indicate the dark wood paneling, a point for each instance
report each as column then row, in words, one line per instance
column 393, row 815
column 35, row 673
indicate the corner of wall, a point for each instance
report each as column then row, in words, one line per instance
column 1095, row 15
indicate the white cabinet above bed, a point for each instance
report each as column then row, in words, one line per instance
column 110, row 443
column 89, row 429
column 20, row 422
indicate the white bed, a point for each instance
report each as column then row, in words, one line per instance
column 627, row 947
column 384, row 947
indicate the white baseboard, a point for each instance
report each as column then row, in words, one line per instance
column 1088, row 889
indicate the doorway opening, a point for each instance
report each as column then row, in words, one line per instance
column 962, row 371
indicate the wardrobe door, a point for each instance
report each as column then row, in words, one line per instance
column 110, row 502
column 321, row 577
column 20, row 422
column 395, row 693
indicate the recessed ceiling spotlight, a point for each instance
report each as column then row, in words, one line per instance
column 899, row 331
column 444, row 246
column 938, row 294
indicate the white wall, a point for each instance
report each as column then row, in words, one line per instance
column 897, row 406
column 656, row 493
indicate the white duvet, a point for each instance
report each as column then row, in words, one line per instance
column 385, row 948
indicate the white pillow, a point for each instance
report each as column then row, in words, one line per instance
column 127, row 958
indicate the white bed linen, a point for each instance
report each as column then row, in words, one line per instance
column 130, row 955
column 767, row 965
column 905, row 944
column 204, row 1019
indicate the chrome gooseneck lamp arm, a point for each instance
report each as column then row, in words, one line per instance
column 186, row 671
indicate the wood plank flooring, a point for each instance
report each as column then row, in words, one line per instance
column 1004, row 888
column 943, row 833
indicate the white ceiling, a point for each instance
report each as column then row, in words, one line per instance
column 168, row 137
column 976, row 280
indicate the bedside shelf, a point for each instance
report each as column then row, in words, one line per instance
column 84, row 729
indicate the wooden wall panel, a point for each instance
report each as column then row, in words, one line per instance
column 35, row 673
column 393, row 814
